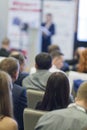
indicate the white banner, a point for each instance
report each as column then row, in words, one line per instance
column 23, row 15
column 64, row 19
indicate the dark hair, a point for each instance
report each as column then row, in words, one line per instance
column 43, row 61
column 9, row 65
column 6, row 108
column 56, row 53
column 57, row 92
column 19, row 56
column 52, row 48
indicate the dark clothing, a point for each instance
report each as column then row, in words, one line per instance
column 77, row 83
column 21, row 76
column 19, row 103
column 46, row 40
column 4, row 52
column 65, row 67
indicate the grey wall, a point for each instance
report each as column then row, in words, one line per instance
column 3, row 19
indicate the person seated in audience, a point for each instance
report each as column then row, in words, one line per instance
column 4, row 51
column 39, row 79
column 55, row 47
column 82, row 65
column 20, row 57
column 57, row 61
column 6, row 110
column 57, row 93
column 73, row 62
column 11, row 66
column 72, row 118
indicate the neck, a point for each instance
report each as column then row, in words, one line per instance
column 82, row 104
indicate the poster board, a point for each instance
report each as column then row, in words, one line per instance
column 64, row 19
column 23, row 16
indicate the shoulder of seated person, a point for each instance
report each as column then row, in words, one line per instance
column 8, row 123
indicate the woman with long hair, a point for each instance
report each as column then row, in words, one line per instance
column 6, row 109
column 57, row 93
column 82, row 66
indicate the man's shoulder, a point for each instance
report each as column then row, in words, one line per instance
column 18, row 89
column 74, row 119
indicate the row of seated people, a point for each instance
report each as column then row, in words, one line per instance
column 74, row 117
column 11, row 66
column 40, row 77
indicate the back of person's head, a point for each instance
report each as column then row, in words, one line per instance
column 20, row 57
column 82, row 92
column 11, row 66
column 6, row 43
column 52, row 48
column 43, row 61
column 57, row 92
column 5, row 95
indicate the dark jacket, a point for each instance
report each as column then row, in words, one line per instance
column 19, row 103
column 4, row 52
column 46, row 40
column 21, row 76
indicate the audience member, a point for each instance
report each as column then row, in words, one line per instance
column 6, row 109
column 11, row 66
column 20, row 57
column 53, row 48
column 73, row 62
column 56, row 94
column 72, row 118
column 82, row 65
column 57, row 61
column 39, row 79
column 4, row 51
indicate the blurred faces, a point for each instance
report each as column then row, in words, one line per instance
column 58, row 62
column 48, row 18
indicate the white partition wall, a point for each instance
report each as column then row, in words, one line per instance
column 63, row 12
column 3, row 18
column 20, row 20
column 24, row 25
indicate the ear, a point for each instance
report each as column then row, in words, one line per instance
column 54, row 60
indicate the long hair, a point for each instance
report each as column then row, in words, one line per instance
column 82, row 67
column 6, row 108
column 57, row 92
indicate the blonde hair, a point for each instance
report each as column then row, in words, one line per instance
column 6, row 41
column 6, row 108
column 82, row 91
